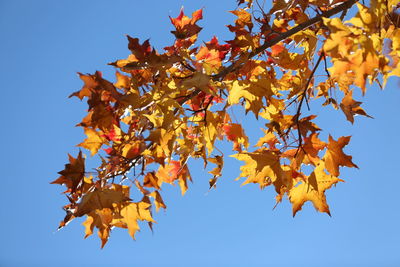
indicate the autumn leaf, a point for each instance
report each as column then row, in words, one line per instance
column 243, row 18
column 211, row 55
column 99, row 199
column 132, row 213
column 73, row 174
column 335, row 157
column 93, row 142
column 261, row 167
column 350, row 107
column 100, row 219
column 158, row 201
column 201, row 81
column 276, row 49
column 219, row 161
column 174, row 171
column 234, row 132
column 139, row 51
column 123, row 81
column 151, row 180
column 185, row 26
column 308, row 153
column 269, row 138
column 133, row 149
column 313, row 190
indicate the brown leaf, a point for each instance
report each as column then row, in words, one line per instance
column 73, row 174
column 350, row 107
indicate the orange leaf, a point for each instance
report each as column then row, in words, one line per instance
column 276, row 49
column 234, row 132
column 335, row 157
column 174, row 171
column 185, row 26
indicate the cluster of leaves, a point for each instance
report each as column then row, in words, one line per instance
column 166, row 108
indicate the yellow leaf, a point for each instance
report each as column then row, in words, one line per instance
column 269, row 138
column 364, row 19
column 211, row 129
column 99, row 199
column 151, row 180
column 133, row 149
column 133, row 212
column 252, row 91
column 335, row 157
column 130, row 216
column 201, row 81
column 101, row 219
column 93, row 142
column 261, row 167
column 313, row 190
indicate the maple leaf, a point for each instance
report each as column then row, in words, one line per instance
column 350, row 107
column 269, row 138
column 261, row 167
column 335, row 157
column 308, row 154
column 73, row 174
column 174, row 171
column 252, row 91
column 277, row 49
column 201, row 81
column 133, row 212
column 100, row 219
column 133, row 149
column 234, row 132
column 99, row 199
column 96, row 89
column 123, row 81
column 139, row 51
column 165, row 140
column 313, row 190
column 185, row 26
column 93, row 142
column 89, row 84
column 212, row 55
column 244, row 18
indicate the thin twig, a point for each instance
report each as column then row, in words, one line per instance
column 302, row 97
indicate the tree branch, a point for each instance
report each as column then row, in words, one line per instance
column 326, row 14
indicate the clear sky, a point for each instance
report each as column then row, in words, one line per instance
column 43, row 45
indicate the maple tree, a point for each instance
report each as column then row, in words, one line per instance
column 167, row 107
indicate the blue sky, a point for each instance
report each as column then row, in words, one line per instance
column 44, row 44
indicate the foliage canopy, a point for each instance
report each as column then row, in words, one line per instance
column 165, row 108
